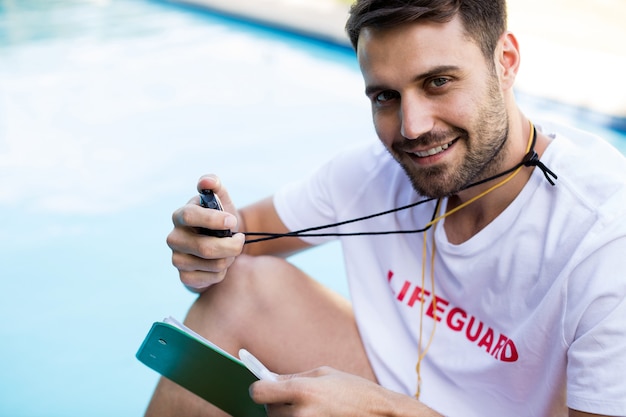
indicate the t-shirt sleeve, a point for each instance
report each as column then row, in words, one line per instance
column 597, row 325
column 320, row 199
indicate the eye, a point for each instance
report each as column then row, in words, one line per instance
column 438, row 82
column 385, row 96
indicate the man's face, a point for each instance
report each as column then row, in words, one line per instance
column 436, row 103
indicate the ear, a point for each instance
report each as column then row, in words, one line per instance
column 507, row 60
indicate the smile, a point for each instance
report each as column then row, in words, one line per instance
column 433, row 151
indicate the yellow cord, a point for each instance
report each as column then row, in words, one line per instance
column 422, row 354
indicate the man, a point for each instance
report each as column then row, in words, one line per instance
column 510, row 303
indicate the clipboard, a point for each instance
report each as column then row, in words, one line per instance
column 200, row 366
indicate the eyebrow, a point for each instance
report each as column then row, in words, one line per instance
column 441, row 69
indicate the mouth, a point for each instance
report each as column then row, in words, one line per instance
column 434, row 151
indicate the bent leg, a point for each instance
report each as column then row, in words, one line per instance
column 283, row 317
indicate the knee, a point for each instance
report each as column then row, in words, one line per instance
column 247, row 267
column 235, row 305
column 255, row 274
column 249, row 283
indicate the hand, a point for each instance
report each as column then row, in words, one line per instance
column 203, row 260
column 328, row 392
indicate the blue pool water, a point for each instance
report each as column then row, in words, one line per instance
column 109, row 112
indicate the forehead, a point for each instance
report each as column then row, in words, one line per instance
column 415, row 47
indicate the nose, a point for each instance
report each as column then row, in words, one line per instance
column 416, row 117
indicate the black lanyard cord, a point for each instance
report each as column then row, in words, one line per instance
column 530, row 159
column 307, row 232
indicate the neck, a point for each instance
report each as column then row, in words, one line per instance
column 487, row 200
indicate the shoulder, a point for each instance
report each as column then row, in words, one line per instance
column 579, row 151
column 589, row 168
column 361, row 168
column 357, row 180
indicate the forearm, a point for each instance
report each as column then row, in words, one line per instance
column 327, row 392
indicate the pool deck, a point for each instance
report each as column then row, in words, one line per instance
column 573, row 50
column 320, row 19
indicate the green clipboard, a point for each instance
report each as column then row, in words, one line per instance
column 201, row 367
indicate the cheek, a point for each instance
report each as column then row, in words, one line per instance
column 458, row 108
column 387, row 126
column 463, row 117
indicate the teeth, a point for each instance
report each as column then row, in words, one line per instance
column 433, row 151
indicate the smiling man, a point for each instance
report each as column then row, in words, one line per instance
column 496, row 289
column 445, row 122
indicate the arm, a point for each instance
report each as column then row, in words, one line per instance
column 328, row 392
column 203, row 260
column 262, row 217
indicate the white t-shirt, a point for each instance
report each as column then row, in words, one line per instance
column 530, row 312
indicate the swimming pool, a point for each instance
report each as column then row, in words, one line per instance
column 109, row 112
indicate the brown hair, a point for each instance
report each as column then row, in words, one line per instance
column 484, row 20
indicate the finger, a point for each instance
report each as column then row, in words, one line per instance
column 199, row 280
column 188, row 241
column 279, row 410
column 209, row 182
column 270, row 392
column 197, row 273
column 193, row 215
column 313, row 373
column 212, row 182
column 289, row 389
column 190, row 263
